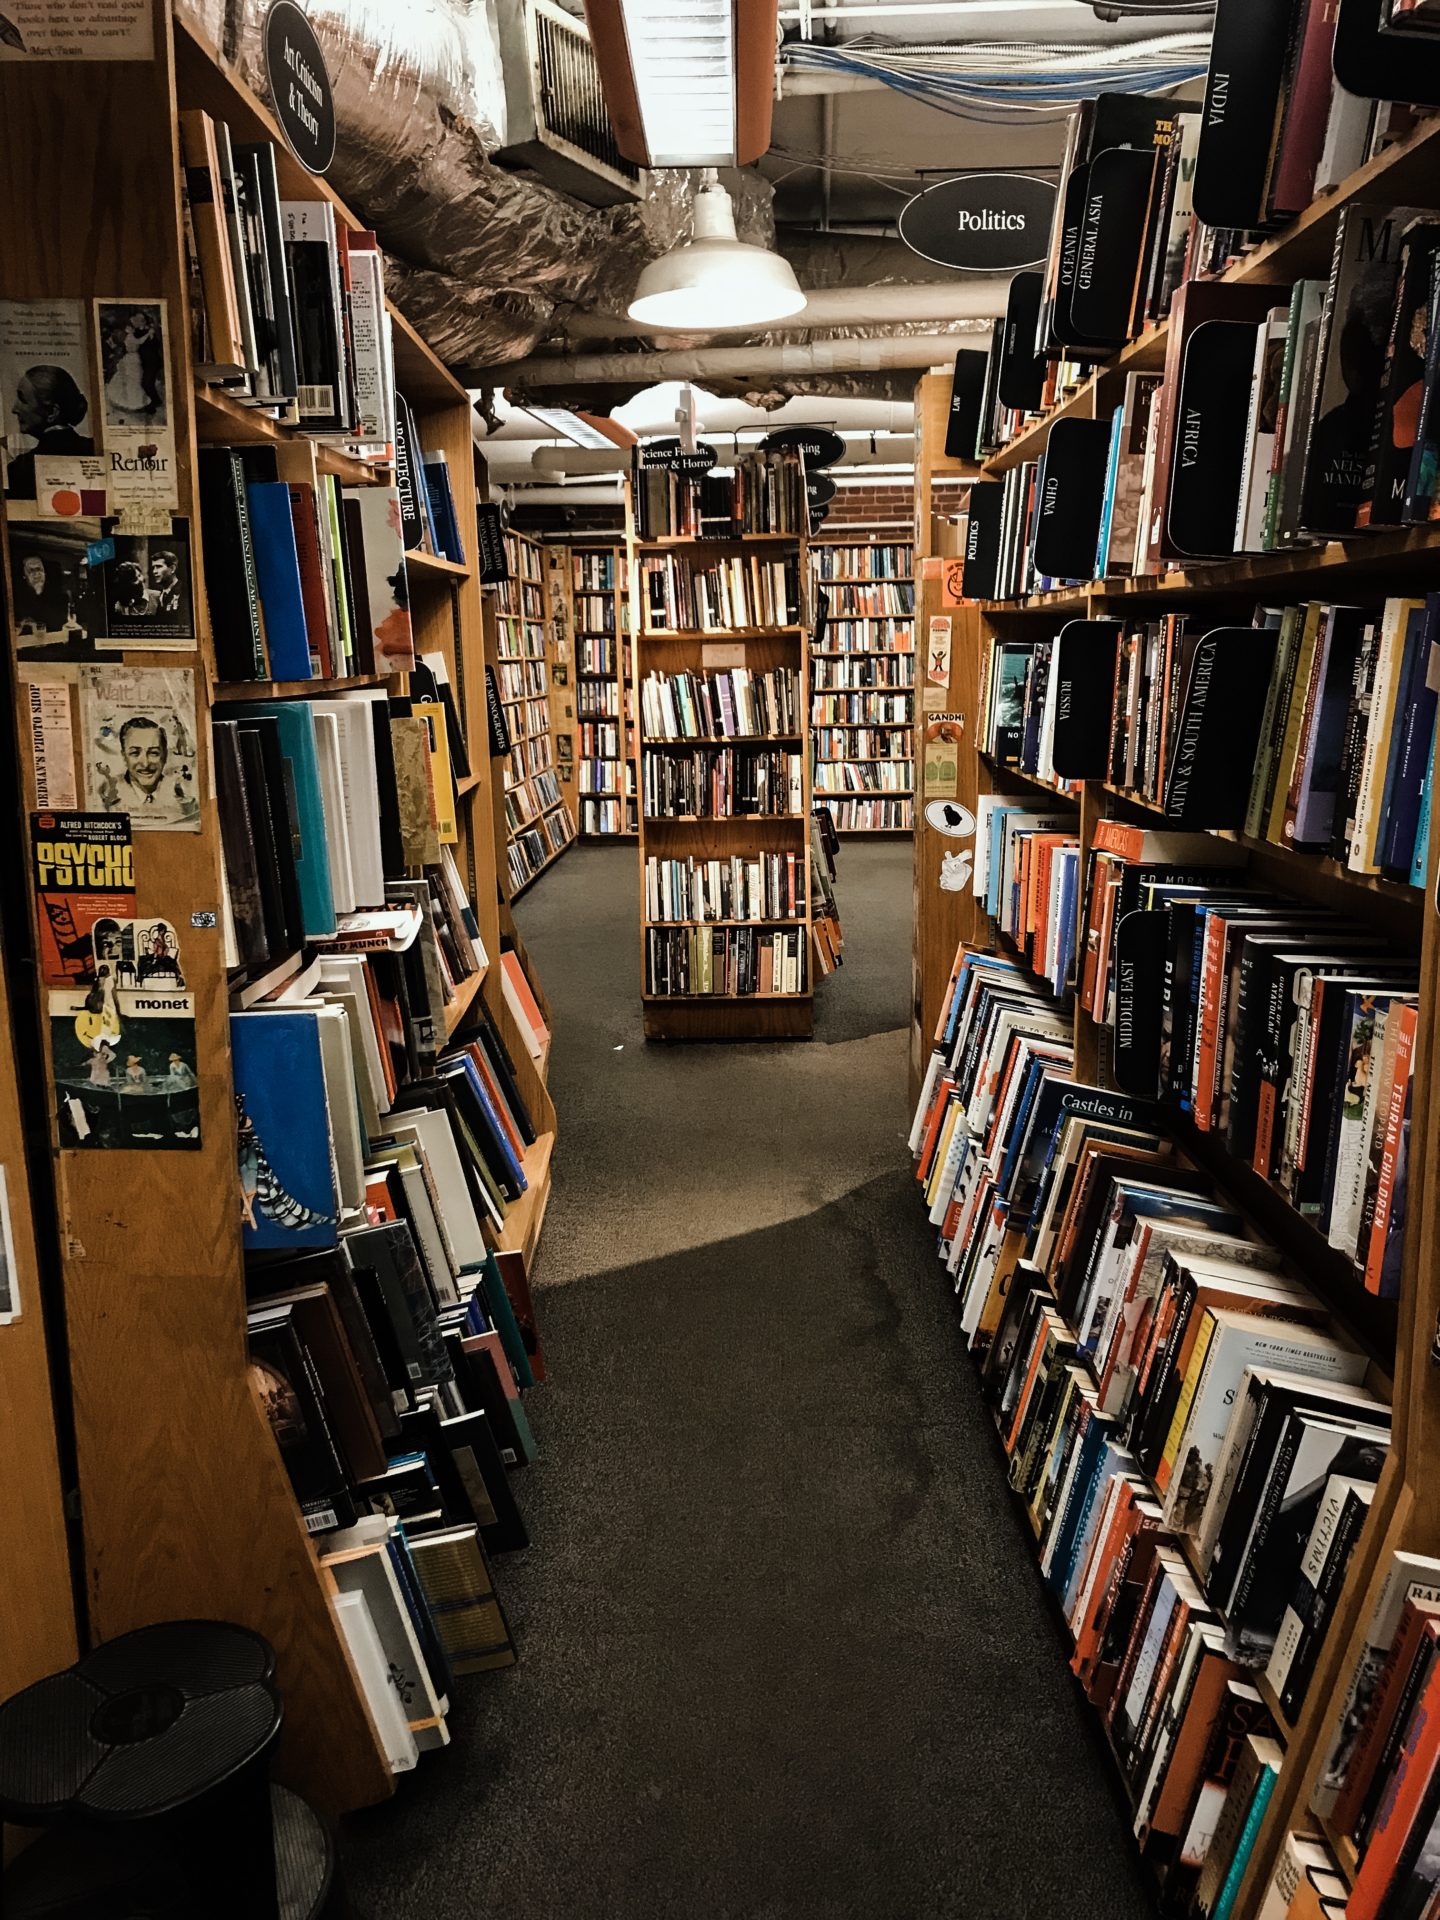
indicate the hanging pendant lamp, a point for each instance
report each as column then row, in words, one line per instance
column 715, row 280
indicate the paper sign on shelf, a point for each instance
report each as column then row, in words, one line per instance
column 952, row 582
column 77, row 30
column 940, row 767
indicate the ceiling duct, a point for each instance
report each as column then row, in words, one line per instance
column 556, row 121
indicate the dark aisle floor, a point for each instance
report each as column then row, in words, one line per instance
column 784, row 1655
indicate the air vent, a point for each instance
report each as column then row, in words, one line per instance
column 557, row 124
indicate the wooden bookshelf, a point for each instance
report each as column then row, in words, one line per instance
column 604, row 686
column 846, row 803
column 537, row 824
column 715, row 1016
column 187, row 1507
column 1397, row 1334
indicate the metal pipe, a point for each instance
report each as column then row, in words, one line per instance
column 918, row 350
column 963, row 298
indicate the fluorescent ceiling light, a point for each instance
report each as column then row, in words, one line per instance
column 682, row 54
column 715, row 280
column 574, row 426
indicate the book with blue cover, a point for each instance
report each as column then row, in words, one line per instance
column 277, row 569
column 287, row 1183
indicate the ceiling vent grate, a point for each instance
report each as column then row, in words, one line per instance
column 558, row 125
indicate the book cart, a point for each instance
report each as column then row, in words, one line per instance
column 773, row 1016
column 537, row 820
column 860, row 678
column 1399, row 1335
column 603, row 673
column 186, row 1508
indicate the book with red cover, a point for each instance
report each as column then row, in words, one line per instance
column 1418, row 1617
column 1406, row 1813
column 308, row 552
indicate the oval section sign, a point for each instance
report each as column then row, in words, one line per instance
column 981, row 222
column 821, row 446
column 821, row 489
column 671, row 457
column 299, row 86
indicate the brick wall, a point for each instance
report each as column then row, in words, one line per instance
column 885, row 503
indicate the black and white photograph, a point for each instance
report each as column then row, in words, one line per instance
column 45, row 388
column 59, row 610
column 149, row 598
column 132, row 362
column 137, row 728
column 9, row 1280
column 132, row 339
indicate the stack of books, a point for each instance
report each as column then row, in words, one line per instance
column 764, row 493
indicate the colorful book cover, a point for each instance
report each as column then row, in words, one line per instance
column 385, row 585
column 125, row 1067
column 287, row 1183
column 84, row 872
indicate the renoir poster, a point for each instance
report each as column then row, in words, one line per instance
column 124, row 1066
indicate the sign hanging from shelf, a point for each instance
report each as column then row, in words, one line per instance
column 981, row 222
column 300, row 90
column 821, row 489
column 821, row 446
column 669, row 456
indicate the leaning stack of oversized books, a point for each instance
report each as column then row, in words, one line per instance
column 1196, row 1446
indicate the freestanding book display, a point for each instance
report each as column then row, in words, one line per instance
column 537, row 817
column 187, row 1507
column 863, row 698
column 998, row 683
column 599, row 603
column 729, row 789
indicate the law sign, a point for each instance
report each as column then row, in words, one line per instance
column 299, row 86
column 981, row 222
column 671, row 457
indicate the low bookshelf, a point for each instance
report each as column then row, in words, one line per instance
column 863, row 678
column 721, row 650
column 538, row 822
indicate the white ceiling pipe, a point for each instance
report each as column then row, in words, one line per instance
column 566, row 496
column 918, row 350
column 963, row 298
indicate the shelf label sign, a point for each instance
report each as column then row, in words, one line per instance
column 670, row 457
column 981, row 222
column 300, row 90
column 821, row 446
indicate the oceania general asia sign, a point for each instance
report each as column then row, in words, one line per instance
column 981, row 222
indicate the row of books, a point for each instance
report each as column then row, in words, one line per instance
column 305, row 579
column 1184, row 1427
column 534, row 750
column 598, row 776
column 680, row 593
column 732, row 962
column 1308, row 414
column 853, row 815
column 717, row 783
column 1028, row 874
column 827, row 938
column 762, row 493
column 595, row 654
column 763, row 886
column 595, row 700
column 288, row 302
column 526, row 803
column 862, row 671
column 887, row 600
column 875, row 560
column 860, row 709
column 731, row 703
column 865, row 776
column 521, row 680
column 532, row 848
column 326, row 805
column 863, row 636
column 1282, row 1028
column 592, row 573
column 862, row 743
column 1019, row 696
column 600, row 739
column 604, row 816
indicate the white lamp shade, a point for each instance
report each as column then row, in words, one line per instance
column 714, row 280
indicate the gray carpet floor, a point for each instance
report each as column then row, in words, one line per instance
column 784, row 1655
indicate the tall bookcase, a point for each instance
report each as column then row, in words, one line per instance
column 862, row 702
column 538, row 822
column 186, row 1507
column 770, row 1016
column 604, row 692
column 1399, row 1335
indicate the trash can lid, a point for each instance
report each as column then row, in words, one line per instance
column 140, row 1726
